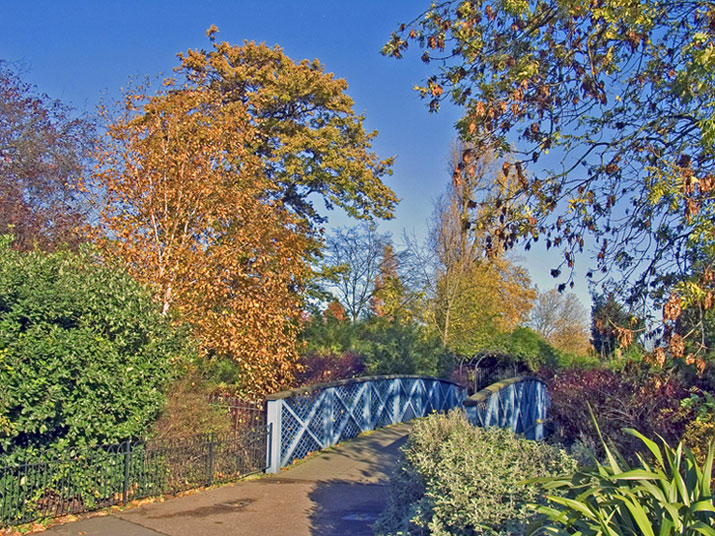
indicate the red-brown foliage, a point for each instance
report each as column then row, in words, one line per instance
column 321, row 368
column 44, row 147
column 649, row 404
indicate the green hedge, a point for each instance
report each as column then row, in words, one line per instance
column 455, row 478
column 84, row 353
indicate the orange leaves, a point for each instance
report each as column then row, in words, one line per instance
column 211, row 32
column 187, row 210
column 692, row 207
column 336, row 310
column 659, row 356
column 676, row 345
column 624, row 335
column 672, row 308
column 436, row 42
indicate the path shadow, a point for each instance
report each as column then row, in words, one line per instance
column 218, row 509
column 376, row 462
column 346, row 507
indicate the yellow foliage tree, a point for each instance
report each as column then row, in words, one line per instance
column 207, row 190
column 562, row 321
column 185, row 207
column 478, row 291
column 390, row 299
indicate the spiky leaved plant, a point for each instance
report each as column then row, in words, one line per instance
column 666, row 495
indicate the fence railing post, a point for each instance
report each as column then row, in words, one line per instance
column 273, row 445
column 329, row 418
column 367, row 408
column 398, row 402
column 127, row 461
column 211, row 460
column 541, row 401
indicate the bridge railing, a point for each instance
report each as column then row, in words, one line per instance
column 312, row 418
column 519, row 403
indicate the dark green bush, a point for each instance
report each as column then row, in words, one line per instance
column 515, row 353
column 393, row 347
column 84, row 353
column 459, row 479
column 526, row 347
column 383, row 346
column 325, row 334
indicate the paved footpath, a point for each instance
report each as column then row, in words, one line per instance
column 337, row 492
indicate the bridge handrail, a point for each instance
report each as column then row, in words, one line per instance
column 481, row 396
column 336, row 383
column 520, row 403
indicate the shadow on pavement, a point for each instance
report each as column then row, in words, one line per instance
column 380, row 459
column 345, row 507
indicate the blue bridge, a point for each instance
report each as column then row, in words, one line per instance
column 314, row 418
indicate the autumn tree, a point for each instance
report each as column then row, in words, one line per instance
column 44, row 147
column 562, row 321
column 395, row 297
column 622, row 95
column 309, row 140
column 477, row 290
column 185, row 207
column 206, row 195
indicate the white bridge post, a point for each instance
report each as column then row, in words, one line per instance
column 273, row 447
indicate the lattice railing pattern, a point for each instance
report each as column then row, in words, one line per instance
column 518, row 403
column 307, row 420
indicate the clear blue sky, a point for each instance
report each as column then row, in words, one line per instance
column 82, row 50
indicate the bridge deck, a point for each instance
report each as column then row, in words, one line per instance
column 338, row 491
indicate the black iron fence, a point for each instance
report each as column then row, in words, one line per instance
column 243, row 413
column 82, row 480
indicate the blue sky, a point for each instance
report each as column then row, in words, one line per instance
column 82, row 50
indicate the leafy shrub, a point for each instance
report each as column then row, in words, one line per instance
column 700, row 405
column 327, row 334
column 393, row 347
column 647, row 403
column 384, row 346
column 519, row 352
column 523, row 351
column 459, row 479
column 525, row 346
column 668, row 496
column 84, row 352
column 188, row 411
